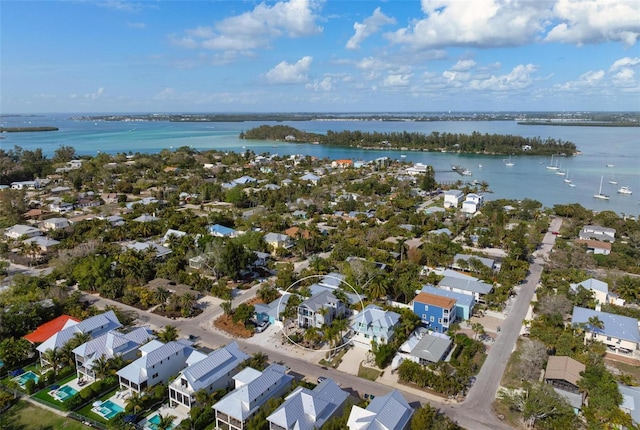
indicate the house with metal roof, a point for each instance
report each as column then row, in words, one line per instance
column 160, row 251
column 435, row 312
column 44, row 243
column 619, row 333
column 388, row 412
column 464, row 302
column 271, row 311
column 253, row 389
column 306, row 409
column 221, row 231
column 600, row 291
column 277, row 241
column 431, row 348
column 373, row 324
column 469, row 286
column 55, row 224
column 109, row 345
column 20, row 230
column 452, row 198
column 158, row 362
column 469, row 264
column 597, row 232
column 214, row 372
column 94, row 327
column 320, row 309
column 631, row 402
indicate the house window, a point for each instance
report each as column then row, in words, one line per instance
column 439, row 320
column 609, row 338
column 432, row 319
column 426, row 307
column 424, row 316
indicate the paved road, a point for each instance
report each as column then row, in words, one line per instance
column 475, row 413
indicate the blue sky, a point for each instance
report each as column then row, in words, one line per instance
column 319, row 56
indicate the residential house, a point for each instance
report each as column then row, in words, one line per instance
column 342, row 163
column 388, row 412
column 306, row 409
column 160, row 251
column 271, row 312
column 26, row 185
column 471, row 262
column 310, row 177
column 435, row 312
column 464, row 302
column 218, row 230
column 115, row 220
column 417, row 169
column 373, row 324
column 630, row 398
column 109, row 198
column 93, row 326
column 158, row 362
column 48, row 329
column 477, row 289
column 296, row 232
column 60, row 190
column 452, row 198
column 619, row 333
column 55, row 224
column 146, row 218
column 470, row 207
column 428, row 348
column 171, row 233
column 597, row 232
column 20, row 230
column 253, row 389
column 109, row 345
column 214, row 372
column 563, row 373
column 320, row 309
column 45, row 244
column 438, row 231
column 596, row 247
column 143, row 201
column 60, row 207
column 278, row 241
column 600, row 292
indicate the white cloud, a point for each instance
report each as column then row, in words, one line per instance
column 481, row 23
column 285, row 73
column 397, row 80
column 463, row 65
column 324, row 85
column 518, row 78
column 94, row 96
column 258, row 27
column 167, row 93
column 586, row 80
column 593, row 21
column 625, row 78
column 369, row 26
column 624, row 63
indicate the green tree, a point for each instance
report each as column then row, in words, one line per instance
column 135, row 402
column 243, row 313
column 168, row 333
column 166, row 422
column 428, row 417
column 234, row 259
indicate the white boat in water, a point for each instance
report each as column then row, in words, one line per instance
column 566, row 179
column 613, row 181
column 551, row 166
column 600, row 195
column 509, row 163
column 625, row 190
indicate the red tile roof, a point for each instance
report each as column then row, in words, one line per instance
column 48, row 329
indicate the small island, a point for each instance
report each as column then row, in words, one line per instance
column 474, row 143
column 27, row 129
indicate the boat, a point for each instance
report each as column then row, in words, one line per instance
column 480, row 166
column 566, row 179
column 609, row 165
column 613, row 181
column 551, row 166
column 625, row 190
column 509, row 163
column 572, row 185
column 403, row 156
column 600, row 195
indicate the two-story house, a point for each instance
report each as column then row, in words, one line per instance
column 319, row 310
column 214, row 372
column 600, row 292
column 618, row 332
column 435, row 312
column 373, row 324
column 469, row 286
column 452, row 198
column 158, row 362
column 253, row 389
column 388, row 412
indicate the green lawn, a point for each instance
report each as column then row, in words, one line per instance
column 86, row 411
column 25, row 416
column 44, row 393
column 368, row 373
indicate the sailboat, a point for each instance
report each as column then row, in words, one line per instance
column 551, row 166
column 613, row 181
column 559, row 172
column 509, row 163
column 600, row 195
column 566, row 179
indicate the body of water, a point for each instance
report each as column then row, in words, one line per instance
column 600, row 147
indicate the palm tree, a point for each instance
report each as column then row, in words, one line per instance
column 478, row 329
column 340, row 324
column 168, row 334
column 226, row 307
column 377, row 289
column 161, row 295
column 312, row 335
column 101, row 367
column 595, row 324
column 53, row 357
column 258, row 360
column 187, row 303
column 136, row 400
column 165, row 423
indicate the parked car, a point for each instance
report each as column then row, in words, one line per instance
column 321, row 378
column 260, row 327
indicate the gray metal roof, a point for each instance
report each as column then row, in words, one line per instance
column 431, row 348
column 137, row 371
column 618, row 326
column 466, row 285
column 216, row 365
column 320, row 300
column 592, row 284
column 461, row 299
column 374, row 316
column 96, row 325
column 466, row 257
column 111, row 344
column 630, row 401
column 388, row 412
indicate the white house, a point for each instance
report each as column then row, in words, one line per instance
column 320, row 309
column 159, row 361
column 159, row 250
column 600, row 292
column 373, row 324
column 619, row 333
column 306, row 409
column 253, row 389
column 469, row 207
column 60, row 207
column 596, row 247
column 452, row 198
column 388, row 412
column 55, row 224
column 20, row 230
column 214, row 372
column 106, row 346
column 598, row 233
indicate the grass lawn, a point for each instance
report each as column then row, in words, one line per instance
column 25, row 416
column 511, row 378
column 44, row 393
column 86, row 411
column 368, row 373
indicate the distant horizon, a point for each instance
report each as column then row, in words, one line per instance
column 320, row 56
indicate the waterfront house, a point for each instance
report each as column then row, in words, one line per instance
column 388, row 412
column 435, row 312
column 373, row 324
column 20, row 230
column 214, row 372
column 252, row 390
column 464, row 302
column 320, row 309
column 597, row 232
column 619, row 333
column 477, row 289
column 452, row 198
column 157, row 363
column 109, row 345
column 342, row 164
column 93, row 326
column 306, row 409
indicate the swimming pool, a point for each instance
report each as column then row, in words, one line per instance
column 152, row 423
column 65, row 392
column 108, row 409
column 22, row 379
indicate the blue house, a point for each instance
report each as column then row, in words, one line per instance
column 464, row 302
column 435, row 312
column 221, row 231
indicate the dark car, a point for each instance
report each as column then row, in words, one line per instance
column 321, row 378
